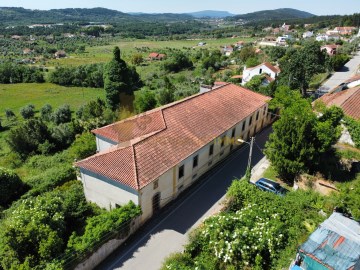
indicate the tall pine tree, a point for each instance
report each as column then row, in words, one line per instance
column 119, row 78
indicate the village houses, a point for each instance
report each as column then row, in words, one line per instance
column 152, row 157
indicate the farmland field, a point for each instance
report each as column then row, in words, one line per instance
column 15, row 96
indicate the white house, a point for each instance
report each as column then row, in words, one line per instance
column 266, row 68
column 152, row 157
column 308, row 34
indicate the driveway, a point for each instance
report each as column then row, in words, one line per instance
column 344, row 74
column 168, row 231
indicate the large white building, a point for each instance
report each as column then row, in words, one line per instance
column 152, row 157
column 264, row 68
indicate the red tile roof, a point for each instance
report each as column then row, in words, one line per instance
column 269, row 66
column 153, row 55
column 348, row 100
column 176, row 131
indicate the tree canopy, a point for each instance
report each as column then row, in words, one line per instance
column 300, row 137
column 119, row 78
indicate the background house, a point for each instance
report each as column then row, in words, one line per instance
column 156, row 56
column 348, row 100
column 330, row 49
column 153, row 157
column 60, row 54
column 266, row 68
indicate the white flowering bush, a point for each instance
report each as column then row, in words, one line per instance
column 259, row 230
column 237, row 238
column 32, row 233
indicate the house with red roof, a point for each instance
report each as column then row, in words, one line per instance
column 156, row 56
column 348, row 100
column 152, row 157
column 331, row 49
column 264, row 68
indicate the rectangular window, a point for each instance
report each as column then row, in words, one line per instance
column 233, row 133
column 264, row 110
column 211, row 150
column 257, row 115
column 222, row 142
column 195, row 161
column 243, row 126
column 156, row 184
column 181, row 171
column 250, row 121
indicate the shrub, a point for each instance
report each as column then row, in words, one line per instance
column 354, row 130
column 11, row 186
column 26, row 138
column 117, row 222
column 46, row 112
column 50, row 179
column 62, row 115
column 28, row 111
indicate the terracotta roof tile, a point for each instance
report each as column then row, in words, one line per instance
column 348, row 100
column 188, row 125
column 132, row 128
column 269, row 66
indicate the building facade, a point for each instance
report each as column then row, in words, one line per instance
column 264, row 68
column 152, row 157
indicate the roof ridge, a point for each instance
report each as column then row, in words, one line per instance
column 135, row 168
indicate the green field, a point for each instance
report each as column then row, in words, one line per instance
column 15, row 96
column 101, row 54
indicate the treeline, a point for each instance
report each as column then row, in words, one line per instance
column 84, row 76
column 319, row 21
column 15, row 73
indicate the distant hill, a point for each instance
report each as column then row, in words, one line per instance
column 210, row 14
column 276, row 14
column 20, row 16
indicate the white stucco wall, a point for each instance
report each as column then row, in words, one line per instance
column 249, row 73
column 106, row 193
column 103, row 144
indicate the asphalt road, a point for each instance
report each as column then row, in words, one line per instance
column 345, row 73
column 168, row 231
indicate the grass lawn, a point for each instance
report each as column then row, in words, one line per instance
column 15, row 96
column 270, row 173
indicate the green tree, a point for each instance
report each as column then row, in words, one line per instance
column 137, row 59
column 119, row 78
column 300, row 138
column 62, row 115
column 26, row 138
column 28, row 111
column 177, row 62
column 144, row 100
column 300, row 66
column 166, row 95
column 11, row 186
column 46, row 112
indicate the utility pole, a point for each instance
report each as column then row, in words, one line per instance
column 252, row 139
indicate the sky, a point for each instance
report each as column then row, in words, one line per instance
column 317, row 7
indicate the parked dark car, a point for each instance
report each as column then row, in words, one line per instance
column 271, row 186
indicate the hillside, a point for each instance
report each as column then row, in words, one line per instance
column 210, row 14
column 276, row 14
column 21, row 16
